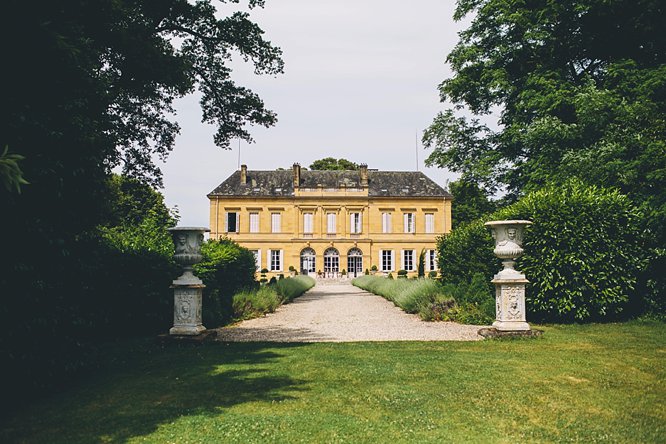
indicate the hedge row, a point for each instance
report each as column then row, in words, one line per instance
column 583, row 254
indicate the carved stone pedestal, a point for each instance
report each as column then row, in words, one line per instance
column 187, row 309
column 510, row 304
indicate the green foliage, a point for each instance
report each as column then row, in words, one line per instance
column 290, row 288
column 250, row 304
column 330, row 163
column 421, row 264
column 373, row 268
column 402, row 274
column 406, row 294
column 367, row 272
column 583, row 255
column 432, row 274
column 226, row 269
column 11, row 175
column 470, row 202
column 390, row 276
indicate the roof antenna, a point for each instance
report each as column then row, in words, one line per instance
column 416, row 147
column 239, row 157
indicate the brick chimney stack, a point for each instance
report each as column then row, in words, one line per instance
column 297, row 175
column 243, row 179
column 363, row 169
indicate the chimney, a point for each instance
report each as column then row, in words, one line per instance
column 243, row 180
column 363, row 169
column 297, row 175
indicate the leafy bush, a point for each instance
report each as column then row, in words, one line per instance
column 582, row 255
column 250, row 304
column 432, row 274
column 226, row 269
column 290, row 288
column 402, row 274
column 406, row 294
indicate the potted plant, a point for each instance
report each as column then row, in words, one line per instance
column 373, row 270
column 402, row 274
column 292, row 271
column 263, row 279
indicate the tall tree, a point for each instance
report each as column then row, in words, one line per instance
column 330, row 163
column 581, row 90
column 470, row 202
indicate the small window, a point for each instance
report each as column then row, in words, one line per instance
column 408, row 260
column 254, row 222
column 308, row 223
column 331, row 223
column 429, row 223
column 409, row 223
column 276, row 222
column 232, row 222
column 276, row 260
column 387, row 260
column 355, row 223
column 431, row 260
column 386, row 222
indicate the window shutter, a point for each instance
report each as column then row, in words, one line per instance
column 258, row 259
column 392, row 260
column 406, row 223
column 237, row 222
column 414, row 260
column 269, row 256
column 427, row 260
column 402, row 259
column 281, row 267
column 226, row 222
column 360, row 223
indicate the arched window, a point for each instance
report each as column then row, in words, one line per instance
column 331, row 261
column 308, row 257
column 355, row 262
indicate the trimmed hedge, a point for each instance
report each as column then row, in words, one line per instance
column 250, row 304
column 583, row 255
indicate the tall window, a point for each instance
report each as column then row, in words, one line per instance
column 387, row 260
column 308, row 224
column 254, row 222
column 275, row 260
column 386, row 222
column 232, row 222
column 276, row 222
column 257, row 258
column 408, row 260
column 431, row 260
column 429, row 223
column 409, row 223
column 355, row 223
column 331, row 223
column 331, row 260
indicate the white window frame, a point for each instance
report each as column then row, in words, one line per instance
column 254, row 222
column 226, row 221
column 257, row 258
column 391, row 258
column 331, row 223
column 308, row 223
column 276, row 223
column 355, row 223
column 431, row 260
column 272, row 265
column 409, row 222
column 430, row 223
column 386, row 222
column 403, row 260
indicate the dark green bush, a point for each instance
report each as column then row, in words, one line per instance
column 582, row 255
column 432, row 274
column 402, row 274
column 226, row 269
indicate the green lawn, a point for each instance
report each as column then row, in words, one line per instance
column 577, row 383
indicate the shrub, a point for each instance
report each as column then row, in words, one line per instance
column 367, row 272
column 408, row 295
column 373, row 268
column 292, row 287
column 432, row 274
column 421, row 266
column 226, row 269
column 291, row 268
column 272, row 281
column 582, row 255
column 250, row 304
column 402, row 274
column 390, row 276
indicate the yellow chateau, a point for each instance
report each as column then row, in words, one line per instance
column 332, row 222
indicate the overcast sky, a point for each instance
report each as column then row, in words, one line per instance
column 360, row 82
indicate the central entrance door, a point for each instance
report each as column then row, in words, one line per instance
column 331, row 262
column 355, row 262
column 307, row 261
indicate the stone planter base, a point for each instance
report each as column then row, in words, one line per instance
column 493, row 333
column 187, row 330
column 205, row 336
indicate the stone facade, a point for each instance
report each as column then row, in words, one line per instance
column 330, row 221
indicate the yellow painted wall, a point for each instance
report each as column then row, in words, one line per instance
column 292, row 240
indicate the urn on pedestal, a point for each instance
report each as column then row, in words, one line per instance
column 187, row 288
column 509, row 283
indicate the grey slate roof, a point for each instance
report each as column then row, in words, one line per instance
column 380, row 183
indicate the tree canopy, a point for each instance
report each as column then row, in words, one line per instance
column 581, row 90
column 330, row 163
column 470, row 202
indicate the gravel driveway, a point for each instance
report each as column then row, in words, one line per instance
column 344, row 313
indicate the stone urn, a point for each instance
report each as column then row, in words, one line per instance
column 509, row 282
column 188, row 288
